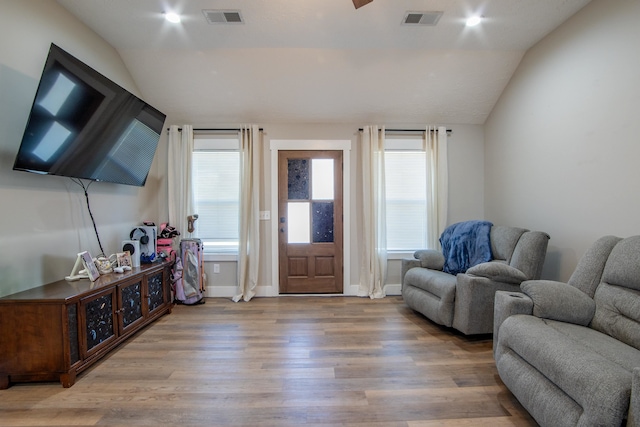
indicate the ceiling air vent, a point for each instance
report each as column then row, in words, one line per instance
column 421, row 18
column 223, row 16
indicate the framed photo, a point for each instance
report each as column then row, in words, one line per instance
column 124, row 259
column 89, row 266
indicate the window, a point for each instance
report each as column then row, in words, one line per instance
column 406, row 194
column 216, row 182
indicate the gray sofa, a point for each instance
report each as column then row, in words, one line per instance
column 570, row 352
column 465, row 301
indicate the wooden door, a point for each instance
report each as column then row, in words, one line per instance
column 310, row 222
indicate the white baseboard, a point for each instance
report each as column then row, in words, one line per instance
column 393, row 289
column 229, row 291
column 221, row 291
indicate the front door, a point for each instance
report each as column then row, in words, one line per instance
column 309, row 219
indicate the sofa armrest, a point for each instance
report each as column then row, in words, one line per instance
column 633, row 417
column 498, row 272
column 430, row 258
column 408, row 264
column 473, row 303
column 507, row 304
column 559, row 301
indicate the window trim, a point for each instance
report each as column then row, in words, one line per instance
column 220, row 257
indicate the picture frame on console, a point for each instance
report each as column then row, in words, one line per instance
column 89, row 266
column 124, row 259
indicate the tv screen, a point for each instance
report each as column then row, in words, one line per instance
column 83, row 125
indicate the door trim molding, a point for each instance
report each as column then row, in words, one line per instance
column 343, row 145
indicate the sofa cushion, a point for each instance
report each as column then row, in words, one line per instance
column 504, row 240
column 592, row 368
column 588, row 272
column 559, row 301
column 617, row 313
column 623, row 265
column 436, row 282
column 529, row 254
column 618, row 295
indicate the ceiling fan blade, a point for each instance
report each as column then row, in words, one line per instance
column 360, row 3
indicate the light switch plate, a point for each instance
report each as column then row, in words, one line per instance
column 265, row 215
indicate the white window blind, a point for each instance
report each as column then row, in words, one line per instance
column 406, row 195
column 216, row 180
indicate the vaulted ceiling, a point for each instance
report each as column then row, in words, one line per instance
column 323, row 61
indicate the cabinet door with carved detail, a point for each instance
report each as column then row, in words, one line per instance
column 130, row 310
column 97, row 319
column 156, row 292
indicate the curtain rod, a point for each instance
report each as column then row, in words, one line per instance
column 407, row 130
column 261, row 130
column 215, row 130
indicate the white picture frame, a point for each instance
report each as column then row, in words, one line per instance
column 124, row 259
column 89, row 266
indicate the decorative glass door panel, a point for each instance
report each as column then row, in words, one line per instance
column 310, row 221
column 130, row 304
column 323, row 221
column 156, row 295
column 98, row 315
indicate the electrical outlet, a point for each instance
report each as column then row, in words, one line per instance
column 216, row 268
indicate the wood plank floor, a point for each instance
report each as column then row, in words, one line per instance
column 289, row 361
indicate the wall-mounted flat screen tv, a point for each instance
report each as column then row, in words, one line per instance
column 83, row 125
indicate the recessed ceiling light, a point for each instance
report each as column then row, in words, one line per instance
column 473, row 21
column 172, row 17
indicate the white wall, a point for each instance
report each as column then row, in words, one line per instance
column 44, row 219
column 562, row 144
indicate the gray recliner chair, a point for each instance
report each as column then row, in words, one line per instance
column 570, row 352
column 465, row 301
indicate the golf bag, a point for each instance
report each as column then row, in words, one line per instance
column 189, row 277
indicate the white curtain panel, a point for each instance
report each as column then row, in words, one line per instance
column 373, row 269
column 435, row 145
column 180, row 188
column 249, row 250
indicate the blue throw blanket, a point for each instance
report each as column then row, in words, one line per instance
column 466, row 244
